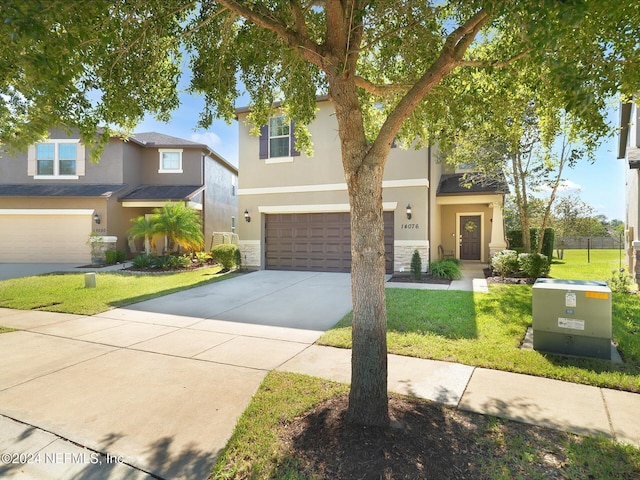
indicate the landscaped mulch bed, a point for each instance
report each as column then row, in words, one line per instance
column 488, row 274
column 426, row 278
column 429, row 442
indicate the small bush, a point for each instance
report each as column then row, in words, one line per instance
column 170, row 262
column 114, row 256
column 203, row 258
column 505, row 263
column 620, row 281
column 448, row 269
column 144, row 260
column 416, row 265
column 225, row 255
column 238, row 258
column 534, row 265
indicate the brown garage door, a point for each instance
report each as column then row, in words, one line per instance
column 319, row 242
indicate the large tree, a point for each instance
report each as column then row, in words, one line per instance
column 391, row 68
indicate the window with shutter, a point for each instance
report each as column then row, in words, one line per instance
column 277, row 141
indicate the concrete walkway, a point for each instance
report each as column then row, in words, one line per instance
column 136, row 394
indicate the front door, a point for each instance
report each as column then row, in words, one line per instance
column 470, row 237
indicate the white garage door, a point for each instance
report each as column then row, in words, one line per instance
column 45, row 236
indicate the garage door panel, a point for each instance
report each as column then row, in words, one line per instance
column 48, row 238
column 315, row 242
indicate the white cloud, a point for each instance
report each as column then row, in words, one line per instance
column 565, row 186
column 208, row 138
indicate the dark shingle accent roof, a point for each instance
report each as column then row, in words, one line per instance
column 454, row 184
column 154, row 139
column 66, row 190
column 163, row 192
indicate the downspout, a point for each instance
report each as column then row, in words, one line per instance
column 429, row 201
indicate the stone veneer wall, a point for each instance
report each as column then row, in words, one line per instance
column 403, row 251
column 250, row 251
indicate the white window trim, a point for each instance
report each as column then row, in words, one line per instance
column 169, row 150
column 56, row 160
column 283, row 159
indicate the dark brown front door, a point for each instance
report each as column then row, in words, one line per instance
column 470, row 237
column 315, row 241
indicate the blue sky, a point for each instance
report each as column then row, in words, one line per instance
column 601, row 184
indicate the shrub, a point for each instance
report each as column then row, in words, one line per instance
column 534, row 265
column 114, row 256
column 169, row 262
column 225, row 255
column 547, row 243
column 238, row 258
column 448, row 269
column 144, row 260
column 416, row 265
column 202, row 258
column 620, row 281
column 505, row 263
column 514, row 237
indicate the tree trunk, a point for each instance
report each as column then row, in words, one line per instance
column 521, row 200
column 368, row 399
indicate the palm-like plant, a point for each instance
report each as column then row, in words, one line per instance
column 143, row 227
column 180, row 224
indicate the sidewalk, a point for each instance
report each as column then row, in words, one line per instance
column 472, row 280
column 105, row 395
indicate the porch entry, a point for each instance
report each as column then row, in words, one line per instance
column 470, row 237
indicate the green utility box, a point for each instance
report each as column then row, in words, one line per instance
column 572, row 317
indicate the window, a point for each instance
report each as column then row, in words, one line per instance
column 234, row 183
column 233, row 224
column 277, row 141
column 56, row 158
column 170, row 161
column 278, row 137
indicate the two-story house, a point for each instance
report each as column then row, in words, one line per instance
column 52, row 197
column 296, row 208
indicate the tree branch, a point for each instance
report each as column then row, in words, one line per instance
column 378, row 89
column 263, row 17
column 451, row 55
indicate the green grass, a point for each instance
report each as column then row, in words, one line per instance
column 576, row 265
column 504, row 449
column 66, row 292
column 486, row 330
column 253, row 451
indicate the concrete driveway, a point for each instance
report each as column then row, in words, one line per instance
column 159, row 385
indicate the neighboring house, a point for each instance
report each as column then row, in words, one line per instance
column 629, row 148
column 52, row 197
column 297, row 207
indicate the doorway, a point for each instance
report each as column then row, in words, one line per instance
column 470, row 237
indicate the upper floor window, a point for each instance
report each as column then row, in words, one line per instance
column 56, row 158
column 277, row 141
column 170, row 161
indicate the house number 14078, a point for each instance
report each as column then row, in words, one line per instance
column 410, row 226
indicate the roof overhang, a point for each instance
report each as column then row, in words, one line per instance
column 625, row 122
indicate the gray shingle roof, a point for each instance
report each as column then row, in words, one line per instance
column 163, row 192
column 49, row 190
column 453, row 184
column 161, row 140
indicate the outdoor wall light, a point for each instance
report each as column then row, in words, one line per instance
column 96, row 218
column 408, row 211
column 246, row 216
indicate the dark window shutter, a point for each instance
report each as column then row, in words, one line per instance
column 264, row 142
column 292, row 141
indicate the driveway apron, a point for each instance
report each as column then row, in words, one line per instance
column 158, row 385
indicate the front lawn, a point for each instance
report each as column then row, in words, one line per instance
column 486, row 330
column 67, row 293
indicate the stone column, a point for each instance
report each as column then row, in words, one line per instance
column 497, row 242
